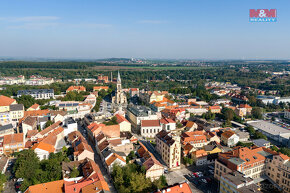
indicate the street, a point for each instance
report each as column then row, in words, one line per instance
column 98, row 160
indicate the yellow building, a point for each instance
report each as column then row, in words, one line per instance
column 211, row 149
column 16, row 112
column 169, row 148
column 5, row 103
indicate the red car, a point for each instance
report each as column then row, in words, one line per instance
column 195, row 174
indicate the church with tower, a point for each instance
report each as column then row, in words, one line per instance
column 119, row 98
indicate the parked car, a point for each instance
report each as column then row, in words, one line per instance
column 20, row 180
column 195, row 174
column 204, row 181
column 211, row 167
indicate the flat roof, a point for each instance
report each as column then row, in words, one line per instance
column 269, row 127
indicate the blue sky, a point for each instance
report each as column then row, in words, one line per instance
column 195, row 29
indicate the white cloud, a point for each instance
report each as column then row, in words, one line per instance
column 152, row 21
column 33, row 26
column 89, row 25
column 29, row 19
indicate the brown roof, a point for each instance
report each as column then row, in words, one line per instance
column 54, row 113
column 13, row 138
column 31, row 133
column 111, row 131
column 228, row 134
column 151, row 162
column 99, row 185
column 36, row 113
column 121, row 118
column 35, row 106
column 113, row 157
column 30, row 121
column 50, row 128
column 79, row 88
column 6, row 101
column 103, row 145
column 150, row 123
column 55, row 187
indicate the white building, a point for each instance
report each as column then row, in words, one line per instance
column 149, row 128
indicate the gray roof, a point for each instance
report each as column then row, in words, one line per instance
column 236, row 161
column 16, row 107
column 140, row 111
column 35, row 91
column 269, row 127
column 6, row 127
column 260, row 142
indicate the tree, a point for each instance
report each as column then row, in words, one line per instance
column 26, row 100
column 259, row 135
column 251, row 130
column 74, row 173
column 3, row 179
column 48, row 123
column 285, row 151
column 275, row 148
column 257, row 113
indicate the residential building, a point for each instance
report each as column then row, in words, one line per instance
column 5, row 118
column 34, row 107
column 261, row 143
column 125, row 125
column 229, row 138
column 149, row 128
column 76, row 88
column 43, row 150
column 6, row 130
column 28, row 123
column 70, row 126
column 16, row 112
column 5, row 103
column 191, row 126
column 99, row 88
column 137, row 113
column 168, row 124
column 236, row 182
column 196, row 138
column 37, row 93
column 13, row 143
column 212, row 148
column 199, row 157
column 243, row 136
column 134, row 92
column 215, row 109
column 112, row 159
column 278, row 170
column 54, row 186
column 152, row 166
column 169, row 148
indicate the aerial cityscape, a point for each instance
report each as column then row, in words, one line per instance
column 144, row 96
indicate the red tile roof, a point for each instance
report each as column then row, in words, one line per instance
column 113, row 157
column 121, row 118
column 13, row 138
column 150, row 123
column 77, row 88
column 44, row 146
column 55, row 187
column 6, row 101
column 180, row 188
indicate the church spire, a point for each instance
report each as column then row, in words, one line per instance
column 119, row 77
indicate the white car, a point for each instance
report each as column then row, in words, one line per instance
column 20, row 180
